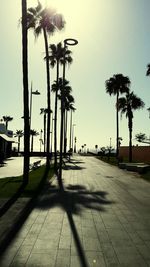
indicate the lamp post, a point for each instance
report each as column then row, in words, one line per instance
column 71, row 42
column 32, row 93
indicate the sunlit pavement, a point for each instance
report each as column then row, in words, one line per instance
column 102, row 219
column 14, row 166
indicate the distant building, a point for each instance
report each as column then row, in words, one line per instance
column 6, row 140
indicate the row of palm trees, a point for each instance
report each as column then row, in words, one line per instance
column 45, row 21
column 116, row 85
column 19, row 134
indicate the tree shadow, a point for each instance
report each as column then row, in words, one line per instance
column 73, row 199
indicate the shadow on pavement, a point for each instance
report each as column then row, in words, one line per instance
column 25, row 213
column 72, row 200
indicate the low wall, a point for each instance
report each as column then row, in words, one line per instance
column 139, row 153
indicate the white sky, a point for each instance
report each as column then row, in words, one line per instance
column 113, row 36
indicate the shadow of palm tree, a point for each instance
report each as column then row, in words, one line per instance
column 72, row 200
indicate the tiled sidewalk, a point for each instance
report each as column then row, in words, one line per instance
column 102, row 219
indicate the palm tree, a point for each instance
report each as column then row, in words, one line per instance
column 25, row 93
column 45, row 21
column 57, row 56
column 44, row 111
column 127, row 105
column 6, row 120
column 148, row 70
column 33, row 133
column 19, row 134
column 118, row 84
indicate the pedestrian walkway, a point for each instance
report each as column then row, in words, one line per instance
column 14, row 166
column 101, row 219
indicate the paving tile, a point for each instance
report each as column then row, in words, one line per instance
column 41, row 260
column 144, row 251
column 92, row 244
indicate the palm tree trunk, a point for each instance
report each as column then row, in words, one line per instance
column 25, row 93
column 18, row 144
column 44, row 131
column 64, row 139
column 32, row 143
column 70, row 128
column 61, row 130
column 55, row 121
column 130, row 139
column 48, row 100
column 117, row 124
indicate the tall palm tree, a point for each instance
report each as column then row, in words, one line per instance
column 46, row 21
column 33, row 133
column 118, row 84
column 127, row 105
column 57, row 56
column 6, row 120
column 44, row 111
column 19, row 134
column 25, row 93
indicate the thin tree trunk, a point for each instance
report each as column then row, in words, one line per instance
column 55, row 121
column 64, row 139
column 25, row 93
column 48, row 100
column 130, row 139
column 44, row 131
column 18, row 144
column 32, row 143
column 61, row 129
column 117, row 124
column 70, row 128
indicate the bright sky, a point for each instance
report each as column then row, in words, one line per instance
column 113, row 36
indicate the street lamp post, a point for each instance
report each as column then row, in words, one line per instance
column 71, row 42
column 32, row 93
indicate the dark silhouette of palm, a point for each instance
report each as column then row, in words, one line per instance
column 44, row 111
column 33, row 133
column 127, row 105
column 25, row 93
column 57, row 56
column 148, row 70
column 19, row 134
column 6, row 120
column 118, row 84
column 46, row 21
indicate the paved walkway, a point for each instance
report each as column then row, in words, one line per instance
column 14, row 166
column 102, row 219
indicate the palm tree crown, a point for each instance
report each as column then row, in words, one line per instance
column 117, row 84
column 7, row 119
column 126, row 105
column 148, row 70
column 41, row 18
